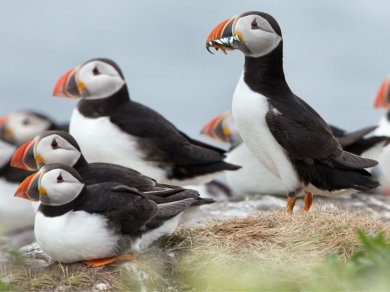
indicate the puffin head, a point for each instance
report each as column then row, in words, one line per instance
column 382, row 99
column 254, row 33
column 223, row 129
column 95, row 79
column 47, row 148
column 53, row 185
column 18, row 127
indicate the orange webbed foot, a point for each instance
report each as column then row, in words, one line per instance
column 106, row 261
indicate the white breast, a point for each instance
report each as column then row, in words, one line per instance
column 249, row 110
column 75, row 236
column 252, row 177
column 15, row 213
column 148, row 238
column 383, row 127
column 102, row 141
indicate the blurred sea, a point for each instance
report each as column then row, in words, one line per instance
column 336, row 54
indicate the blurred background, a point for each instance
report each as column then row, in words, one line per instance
column 336, row 54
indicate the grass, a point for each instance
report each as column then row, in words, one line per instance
column 267, row 251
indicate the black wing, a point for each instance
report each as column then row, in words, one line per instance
column 94, row 173
column 161, row 139
column 306, row 137
column 125, row 208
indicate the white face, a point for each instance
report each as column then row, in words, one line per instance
column 56, row 149
column 61, row 187
column 100, row 79
column 257, row 35
column 24, row 126
column 6, row 152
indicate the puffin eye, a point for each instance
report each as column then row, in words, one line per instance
column 54, row 144
column 26, row 122
column 95, row 71
column 60, row 179
column 254, row 24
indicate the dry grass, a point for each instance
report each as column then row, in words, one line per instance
column 228, row 254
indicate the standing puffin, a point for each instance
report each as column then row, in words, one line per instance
column 287, row 136
column 14, row 216
column 110, row 127
column 18, row 127
column 253, row 177
column 97, row 224
column 60, row 147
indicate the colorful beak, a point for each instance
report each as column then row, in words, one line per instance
column 68, row 86
column 29, row 188
column 218, row 129
column 24, row 157
column 223, row 36
column 382, row 99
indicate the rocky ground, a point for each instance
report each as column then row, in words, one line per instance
column 30, row 269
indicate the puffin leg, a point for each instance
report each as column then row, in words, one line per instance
column 292, row 198
column 307, row 201
column 106, row 261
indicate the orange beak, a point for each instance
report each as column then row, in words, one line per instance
column 382, row 99
column 67, row 85
column 223, row 36
column 28, row 189
column 217, row 129
column 24, row 157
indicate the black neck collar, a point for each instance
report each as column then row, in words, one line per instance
column 53, row 211
column 388, row 115
column 82, row 162
column 265, row 74
column 102, row 107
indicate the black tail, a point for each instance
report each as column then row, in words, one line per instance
column 332, row 179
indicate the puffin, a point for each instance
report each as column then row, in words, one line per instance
column 60, row 147
column 382, row 101
column 18, row 215
column 253, row 177
column 112, row 128
column 98, row 224
column 286, row 135
column 20, row 126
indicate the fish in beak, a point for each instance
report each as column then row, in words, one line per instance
column 223, row 36
column 218, row 128
column 29, row 189
column 24, row 157
column 382, row 99
column 68, row 85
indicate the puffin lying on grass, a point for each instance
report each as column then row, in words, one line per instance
column 285, row 134
column 110, row 127
column 60, row 147
column 253, row 177
column 97, row 224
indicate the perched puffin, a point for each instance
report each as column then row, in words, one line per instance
column 253, row 177
column 287, row 136
column 18, row 127
column 14, row 215
column 110, row 127
column 60, row 147
column 382, row 100
column 97, row 224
